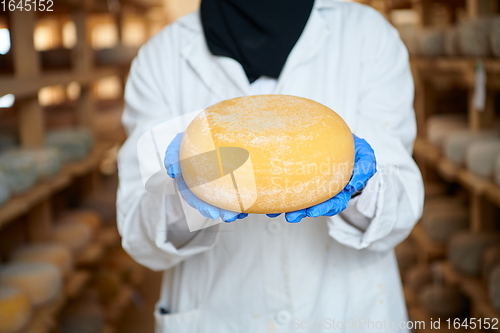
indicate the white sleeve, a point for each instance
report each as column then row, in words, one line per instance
column 386, row 120
column 150, row 223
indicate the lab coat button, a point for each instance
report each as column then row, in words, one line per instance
column 283, row 317
column 273, row 227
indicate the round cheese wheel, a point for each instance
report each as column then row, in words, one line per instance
column 55, row 254
column 40, row 281
column 47, row 161
column 20, row 169
column 85, row 216
column 480, row 157
column 443, row 301
column 495, row 36
column 456, row 143
column 494, row 287
column 466, row 250
column 74, row 235
column 439, row 126
column 431, row 42
column 15, row 309
column 277, row 154
column 73, row 144
column 474, row 38
column 441, row 224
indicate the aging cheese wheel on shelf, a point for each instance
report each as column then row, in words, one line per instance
column 47, row 161
column 418, row 277
column 74, row 235
column 15, row 309
column 480, row 157
column 443, row 301
column 4, row 188
column 431, row 42
column 277, row 154
column 439, row 126
column 456, row 143
column 73, row 143
column 495, row 36
column 52, row 253
column 20, row 170
column 85, row 216
column 474, row 37
column 440, row 223
column 40, row 281
column 491, row 259
column 466, row 249
column 494, row 287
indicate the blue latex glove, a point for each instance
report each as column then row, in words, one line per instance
column 365, row 167
column 173, row 168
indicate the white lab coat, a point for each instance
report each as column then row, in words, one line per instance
column 261, row 274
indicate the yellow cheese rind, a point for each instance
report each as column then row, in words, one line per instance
column 15, row 309
column 267, row 154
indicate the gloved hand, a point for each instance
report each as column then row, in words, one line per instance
column 365, row 167
column 173, row 168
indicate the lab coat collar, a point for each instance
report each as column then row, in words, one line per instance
column 227, row 78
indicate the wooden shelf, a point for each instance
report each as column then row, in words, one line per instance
column 451, row 172
column 29, row 86
column 474, row 288
column 460, row 70
column 20, row 204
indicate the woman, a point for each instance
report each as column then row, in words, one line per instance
column 262, row 274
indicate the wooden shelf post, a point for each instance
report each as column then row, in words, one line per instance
column 83, row 62
column 27, row 65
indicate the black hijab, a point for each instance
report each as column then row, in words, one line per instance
column 259, row 34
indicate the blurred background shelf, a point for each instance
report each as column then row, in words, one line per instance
column 65, row 71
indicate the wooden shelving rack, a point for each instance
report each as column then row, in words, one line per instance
column 33, row 210
column 431, row 74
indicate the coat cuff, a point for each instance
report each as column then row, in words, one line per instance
column 378, row 204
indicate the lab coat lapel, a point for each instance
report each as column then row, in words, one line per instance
column 223, row 76
column 309, row 44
